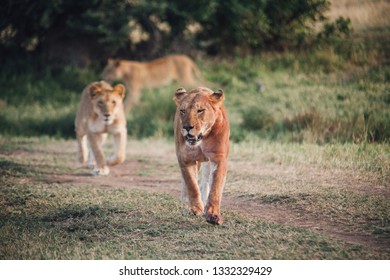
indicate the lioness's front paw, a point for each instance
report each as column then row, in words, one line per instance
column 101, row 171
column 81, row 159
column 91, row 164
column 214, row 219
column 114, row 160
column 197, row 211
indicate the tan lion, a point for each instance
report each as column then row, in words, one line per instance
column 156, row 73
column 100, row 112
column 202, row 138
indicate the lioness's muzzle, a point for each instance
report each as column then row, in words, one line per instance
column 192, row 140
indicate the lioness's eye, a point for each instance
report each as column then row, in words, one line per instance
column 114, row 102
column 100, row 103
column 200, row 111
column 182, row 112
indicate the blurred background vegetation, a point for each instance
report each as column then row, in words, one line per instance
column 82, row 32
column 293, row 70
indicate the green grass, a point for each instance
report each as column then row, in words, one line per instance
column 373, row 159
column 311, row 107
column 42, row 102
column 328, row 95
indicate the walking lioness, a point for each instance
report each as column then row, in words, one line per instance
column 159, row 72
column 202, row 137
column 100, row 112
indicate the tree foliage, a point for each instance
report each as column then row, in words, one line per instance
column 102, row 28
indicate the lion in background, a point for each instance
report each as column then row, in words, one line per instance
column 140, row 75
column 100, row 112
column 202, row 138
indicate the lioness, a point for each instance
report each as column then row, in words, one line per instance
column 159, row 72
column 202, row 136
column 100, row 112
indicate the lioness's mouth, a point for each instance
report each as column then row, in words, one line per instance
column 107, row 120
column 192, row 140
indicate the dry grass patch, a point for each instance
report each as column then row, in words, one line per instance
column 364, row 14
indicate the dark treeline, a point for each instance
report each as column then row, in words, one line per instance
column 79, row 32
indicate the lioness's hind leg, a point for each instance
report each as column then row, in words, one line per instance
column 184, row 192
column 205, row 181
column 191, row 188
column 82, row 148
column 103, row 139
column 91, row 157
column 120, row 140
column 95, row 140
column 217, row 181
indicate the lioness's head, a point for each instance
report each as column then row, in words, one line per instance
column 112, row 71
column 106, row 100
column 197, row 110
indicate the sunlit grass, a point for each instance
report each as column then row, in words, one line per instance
column 65, row 222
column 364, row 14
column 320, row 97
column 339, row 185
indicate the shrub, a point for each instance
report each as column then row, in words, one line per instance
column 83, row 32
column 257, row 119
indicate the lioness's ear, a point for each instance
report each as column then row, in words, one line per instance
column 218, row 96
column 94, row 91
column 120, row 90
column 179, row 93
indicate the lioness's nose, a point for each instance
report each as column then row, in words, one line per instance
column 107, row 115
column 188, row 127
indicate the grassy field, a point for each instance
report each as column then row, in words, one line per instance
column 320, row 97
column 279, row 203
column 309, row 168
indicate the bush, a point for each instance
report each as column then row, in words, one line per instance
column 85, row 32
column 256, row 118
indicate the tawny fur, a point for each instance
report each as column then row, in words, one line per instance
column 156, row 73
column 100, row 112
column 202, row 137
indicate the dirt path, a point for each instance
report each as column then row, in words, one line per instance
column 135, row 174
